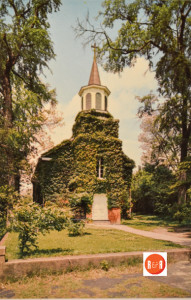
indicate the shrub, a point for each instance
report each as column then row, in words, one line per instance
column 182, row 214
column 2, row 225
column 76, row 228
column 81, row 204
column 7, row 199
column 104, row 265
column 29, row 219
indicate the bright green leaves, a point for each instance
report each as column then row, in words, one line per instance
column 30, row 219
column 26, row 49
column 151, row 190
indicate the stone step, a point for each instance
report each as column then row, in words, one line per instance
column 101, row 222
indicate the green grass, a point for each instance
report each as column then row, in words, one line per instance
column 149, row 223
column 94, row 241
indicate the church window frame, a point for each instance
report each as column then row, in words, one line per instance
column 88, row 101
column 98, row 101
column 82, row 103
column 100, row 168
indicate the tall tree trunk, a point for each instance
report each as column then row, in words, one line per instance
column 7, row 109
column 8, row 123
column 182, row 193
column 182, row 196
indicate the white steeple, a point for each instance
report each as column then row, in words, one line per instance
column 94, row 95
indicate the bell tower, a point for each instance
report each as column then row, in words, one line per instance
column 94, row 95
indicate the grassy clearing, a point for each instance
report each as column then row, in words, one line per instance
column 118, row 282
column 149, row 223
column 94, row 241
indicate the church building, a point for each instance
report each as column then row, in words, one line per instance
column 89, row 172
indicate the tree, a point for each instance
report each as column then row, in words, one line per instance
column 26, row 48
column 160, row 140
column 158, row 30
column 44, row 120
column 166, row 135
column 151, row 191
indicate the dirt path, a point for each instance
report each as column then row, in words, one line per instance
column 158, row 234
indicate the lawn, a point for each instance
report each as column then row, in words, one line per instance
column 149, row 223
column 94, row 241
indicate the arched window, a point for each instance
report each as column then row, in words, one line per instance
column 105, row 103
column 82, row 103
column 100, row 168
column 88, row 101
column 98, row 101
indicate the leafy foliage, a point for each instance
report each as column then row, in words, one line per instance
column 81, row 204
column 7, row 199
column 2, row 225
column 151, row 191
column 29, row 219
column 104, row 265
column 182, row 213
column 76, row 228
column 26, row 49
column 72, row 168
column 162, row 129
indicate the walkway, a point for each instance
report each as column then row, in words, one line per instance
column 159, row 234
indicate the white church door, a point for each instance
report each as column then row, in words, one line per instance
column 99, row 207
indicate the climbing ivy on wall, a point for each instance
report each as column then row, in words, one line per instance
column 72, row 170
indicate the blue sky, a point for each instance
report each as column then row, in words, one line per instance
column 71, row 70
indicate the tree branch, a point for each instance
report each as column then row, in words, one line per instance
column 11, row 2
column 7, row 45
column 18, row 75
column 183, row 19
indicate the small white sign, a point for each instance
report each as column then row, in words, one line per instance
column 154, row 263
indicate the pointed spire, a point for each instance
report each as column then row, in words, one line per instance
column 94, row 75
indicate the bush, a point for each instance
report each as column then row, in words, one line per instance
column 29, row 219
column 104, row 265
column 182, row 214
column 76, row 228
column 2, row 225
column 81, row 204
column 7, row 199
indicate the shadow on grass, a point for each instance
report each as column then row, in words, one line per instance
column 46, row 252
column 78, row 235
column 171, row 244
column 143, row 224
column 152, row 221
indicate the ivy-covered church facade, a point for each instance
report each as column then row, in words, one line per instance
column 89, row 172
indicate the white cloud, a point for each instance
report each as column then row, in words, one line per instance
column 135, row 78
column 123, row 105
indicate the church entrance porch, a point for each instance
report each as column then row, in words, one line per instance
column 99, row 208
